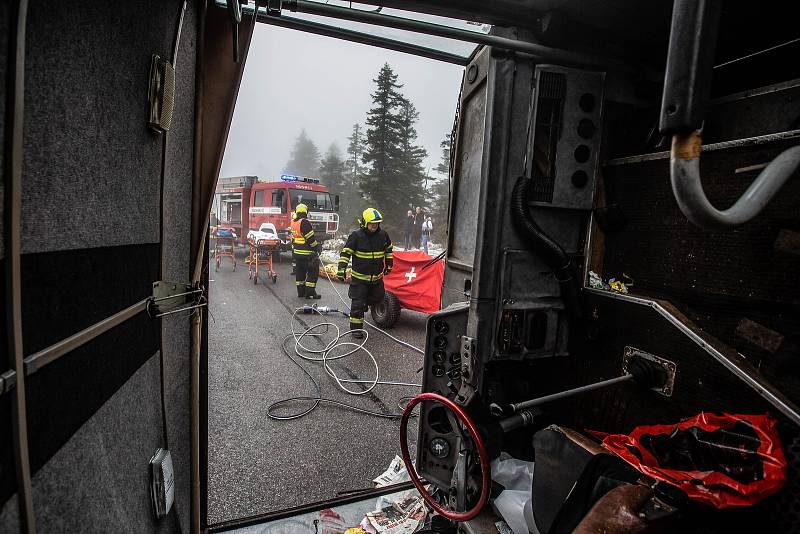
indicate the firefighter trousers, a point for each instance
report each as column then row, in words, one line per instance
column 363, row 294
column 306, row 273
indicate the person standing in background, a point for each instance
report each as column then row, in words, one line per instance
column 427, row 230
column 419, row 218
column 408, row 229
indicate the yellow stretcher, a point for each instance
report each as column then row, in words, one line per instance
column 330, row 269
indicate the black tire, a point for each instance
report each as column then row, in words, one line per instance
column 274, row 278
column 386, row 312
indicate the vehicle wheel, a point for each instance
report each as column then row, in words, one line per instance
column 386, row 312
column 255, row 279
column 216, row 267
column 274, row 278
column 234, row 266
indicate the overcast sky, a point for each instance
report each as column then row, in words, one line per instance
column 296, row 80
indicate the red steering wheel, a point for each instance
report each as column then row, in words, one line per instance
column 479, row 444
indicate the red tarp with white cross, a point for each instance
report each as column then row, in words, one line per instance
column 417, row 288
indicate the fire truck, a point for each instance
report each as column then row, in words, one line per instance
column 243, row 203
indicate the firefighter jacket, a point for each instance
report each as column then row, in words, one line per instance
column 303, row 240
column 371, row 254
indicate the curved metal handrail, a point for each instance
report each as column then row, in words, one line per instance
column 687, row 185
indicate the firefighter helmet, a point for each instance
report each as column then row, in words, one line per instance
column 371, row 215
column 301, row 208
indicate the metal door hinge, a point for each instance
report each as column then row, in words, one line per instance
column 174, row 297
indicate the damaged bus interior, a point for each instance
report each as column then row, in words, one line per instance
column 621, row 295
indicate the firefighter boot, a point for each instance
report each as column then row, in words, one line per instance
column 358, row 327
column 301, row 290
column 311, row 294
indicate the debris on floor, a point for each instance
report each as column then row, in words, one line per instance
column 403, row 516
column 613, row 284
column 394, row 474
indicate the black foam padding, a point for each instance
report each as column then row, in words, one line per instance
column 91, row 163
column 65, row 292
column 717, row 278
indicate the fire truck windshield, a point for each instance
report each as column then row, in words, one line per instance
column 315, row 200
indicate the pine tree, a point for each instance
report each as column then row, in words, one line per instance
column 383, row 151
column 350, row 197
column 335, row 174
column 443, row 167
column 411, row 181
column 304, row 159
column 332, row 170
column 440, row 191
column 354, row 151
column 394, row 180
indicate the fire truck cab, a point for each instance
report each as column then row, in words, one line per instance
column 244, row 203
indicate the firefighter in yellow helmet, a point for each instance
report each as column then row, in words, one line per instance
column 305, row 254
column 370, row 250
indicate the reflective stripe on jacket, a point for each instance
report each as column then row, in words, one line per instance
column 371, row 254
column 303, row 239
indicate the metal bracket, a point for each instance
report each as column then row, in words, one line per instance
column 174, row 297
column 669, row 368
column 273, row 7
column 468, row 377
column 8, row 381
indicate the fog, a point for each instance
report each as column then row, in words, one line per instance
column 295, row 80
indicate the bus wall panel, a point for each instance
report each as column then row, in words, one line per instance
column 98, row 480
column 177, row 221
column 91, row 164
column 8, row 477
column 4, row 16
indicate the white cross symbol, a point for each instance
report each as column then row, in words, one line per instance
column 411, row 274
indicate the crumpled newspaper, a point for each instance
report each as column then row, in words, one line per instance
column 394, row 474
column 403, row 516
column 595, row 282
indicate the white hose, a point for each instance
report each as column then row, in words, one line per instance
column 328, row 354
column 308, row 353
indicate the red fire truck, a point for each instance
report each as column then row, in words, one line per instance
column 244, row 202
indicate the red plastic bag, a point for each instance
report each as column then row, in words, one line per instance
column 723, row 461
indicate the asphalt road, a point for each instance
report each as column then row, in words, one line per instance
column 258, row 465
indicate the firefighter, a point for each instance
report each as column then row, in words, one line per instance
column 305, row 254
column 370, row 249
column 291, row 218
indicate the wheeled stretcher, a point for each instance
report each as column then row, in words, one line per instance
column 262, row 245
